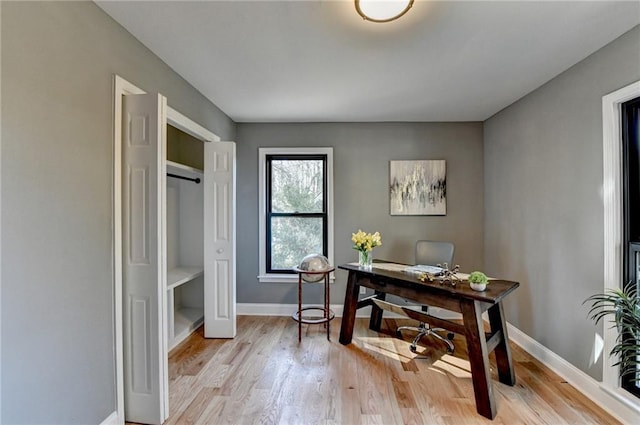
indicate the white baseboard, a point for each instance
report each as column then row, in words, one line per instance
column 113, row 419
column 613, row 403
column 258, row 309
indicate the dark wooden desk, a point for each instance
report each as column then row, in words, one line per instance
column 387, row 278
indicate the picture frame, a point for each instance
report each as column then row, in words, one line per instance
column 418, row 187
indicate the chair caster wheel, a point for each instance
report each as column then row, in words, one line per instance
column 450, row 336
column 449, row 351
column 413, row 348
column 398, row 334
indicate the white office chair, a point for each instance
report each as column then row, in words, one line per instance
column 430, row 253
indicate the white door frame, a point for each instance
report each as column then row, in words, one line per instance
column 122, row 87
column 613, row 225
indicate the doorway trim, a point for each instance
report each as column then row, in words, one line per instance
column 613, row 225
column 122, row 87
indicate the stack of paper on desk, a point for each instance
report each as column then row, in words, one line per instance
column 423, row 268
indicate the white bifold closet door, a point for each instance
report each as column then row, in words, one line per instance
column 219, row 240
column 144, row 258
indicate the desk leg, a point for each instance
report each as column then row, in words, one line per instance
column 349, row 311
column 504, row 361
column 375, row 322
column 478, row 358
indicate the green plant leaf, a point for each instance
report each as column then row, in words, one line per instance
column 624, row 307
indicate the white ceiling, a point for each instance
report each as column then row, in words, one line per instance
column 306, row 61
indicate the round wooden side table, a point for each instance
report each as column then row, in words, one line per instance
column 327, row 314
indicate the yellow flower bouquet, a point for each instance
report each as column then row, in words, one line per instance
column 364, row 244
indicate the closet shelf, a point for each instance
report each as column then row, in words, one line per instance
column 182, row 274
column 176, row 166
column 186, row 319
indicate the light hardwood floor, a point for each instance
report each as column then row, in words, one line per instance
column 264, row 376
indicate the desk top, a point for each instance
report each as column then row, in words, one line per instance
column 381, row 270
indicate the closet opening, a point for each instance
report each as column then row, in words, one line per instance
column 174, row 244
column 184, row 235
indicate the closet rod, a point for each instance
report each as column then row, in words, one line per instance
column 175, row 176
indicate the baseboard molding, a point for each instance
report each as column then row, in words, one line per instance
column 259, row 309
column 113, row 419
column 613, row 403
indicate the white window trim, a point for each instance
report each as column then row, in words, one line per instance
column 613, row 226
column 263, row 276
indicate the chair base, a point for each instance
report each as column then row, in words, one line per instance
column 424, row 330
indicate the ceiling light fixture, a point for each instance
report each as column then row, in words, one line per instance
column 382, row 10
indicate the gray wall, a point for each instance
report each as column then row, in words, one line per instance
column 543, row 200
column 362, row 152
column 58, row 61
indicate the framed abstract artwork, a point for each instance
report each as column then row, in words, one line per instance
column 418, row 187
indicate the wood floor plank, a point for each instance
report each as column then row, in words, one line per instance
column 181, row 393
column 264, row 376
column 191, row 355
column 212, row 414
column 196, row 408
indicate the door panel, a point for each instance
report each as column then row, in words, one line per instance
column 144, row 277
column 219, row 246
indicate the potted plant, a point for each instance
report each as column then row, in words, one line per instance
column 624, row 306
column 478, row 281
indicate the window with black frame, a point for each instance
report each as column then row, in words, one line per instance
column 296, row 209
column 631, row 182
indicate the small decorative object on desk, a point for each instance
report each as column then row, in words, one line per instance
column 364, row 244
column 444, row 275
column 314, row 263
column 478, row 281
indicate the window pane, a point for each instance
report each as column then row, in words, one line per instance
column 636, row 262
column 637, row 269
column 631, row 180
column 296, row 186
column 292, row 238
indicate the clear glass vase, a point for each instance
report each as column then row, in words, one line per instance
column 365, row 258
